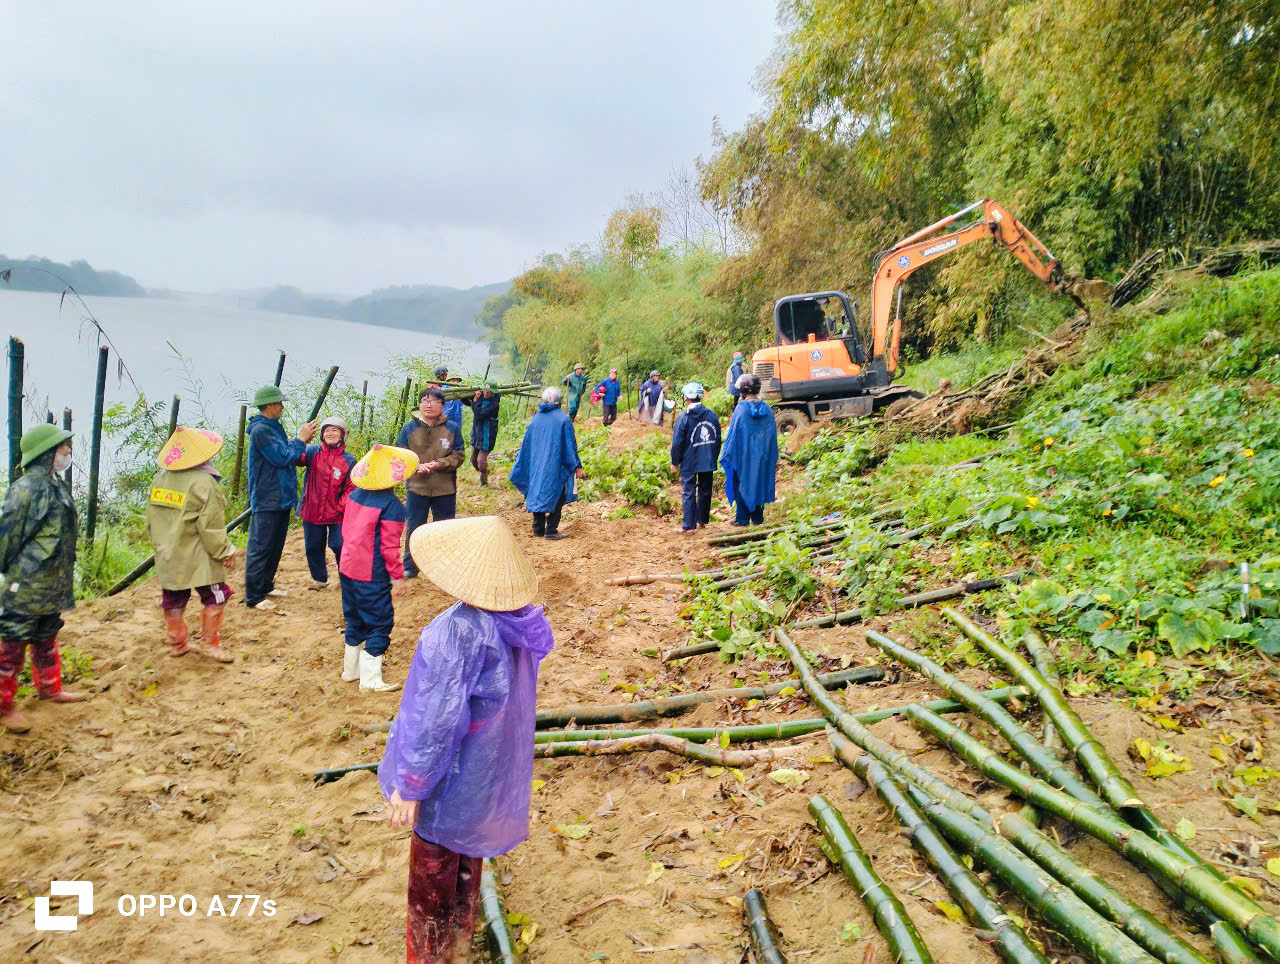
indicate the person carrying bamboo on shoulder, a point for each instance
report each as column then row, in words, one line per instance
column 187, row 524
column 484, row 428
column 457, row 768
column 371, row 568
column 37, row 571
column 653, row 396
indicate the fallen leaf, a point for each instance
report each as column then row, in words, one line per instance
column 724, row 863
column 738, row 775
column 787, row 691
column 821, row 759
column 656, row 870
column 1273, row 866
column 307, row 917
column 1167, row 723
column 539, row 784
column 854, row 789
column 574, row 831
column 1185, row 829
column 1161, row 760
column 528, row 934
column 951, row 910
column 1247, row 884
column 1246, row 805
column 1220, row 755
column 789, row 778
column 150, row 691
column 723, row 740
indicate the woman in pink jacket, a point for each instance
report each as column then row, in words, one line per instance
column 324, row 497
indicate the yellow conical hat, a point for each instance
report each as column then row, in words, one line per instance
column 187, row 448
column 384, row 467
column 477, row 560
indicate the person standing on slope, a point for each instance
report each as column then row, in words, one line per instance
column 371, row 568
column 37, row 571
column 548, row 465
column 731, row 378
column 457, row 768
column 484, row 428
column 324, row 496
column 652, row 396
column 609, row 390
column 452, row 409
column 695, row 447
column 273, row 494
column 750, row 455
column 437, row 442
column 187, row 523
column 576, row 383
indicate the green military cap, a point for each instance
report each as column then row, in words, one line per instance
column 41, row 439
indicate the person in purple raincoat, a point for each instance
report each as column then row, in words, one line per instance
column 457, row 766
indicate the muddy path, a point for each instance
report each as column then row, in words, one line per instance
column 183, row 776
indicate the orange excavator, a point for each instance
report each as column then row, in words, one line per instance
column 818, row 364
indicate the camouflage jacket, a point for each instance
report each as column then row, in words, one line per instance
column 38, row 546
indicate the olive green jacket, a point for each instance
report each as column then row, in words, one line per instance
column 38, row 545
column 187, row 522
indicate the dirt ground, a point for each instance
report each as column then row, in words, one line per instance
column 183, row 776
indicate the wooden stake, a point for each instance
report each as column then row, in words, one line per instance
column 17, row 355
column 235, row 475
column 66, row 425
column 95, row 449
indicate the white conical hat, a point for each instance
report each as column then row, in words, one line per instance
column 477, row 560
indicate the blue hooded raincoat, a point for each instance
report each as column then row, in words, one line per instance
column 547, row 460
column 750, row 455
column 460, row 741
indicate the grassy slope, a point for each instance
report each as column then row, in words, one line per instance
column 1135, row 482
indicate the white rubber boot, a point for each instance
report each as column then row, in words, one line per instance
column 351, row 662
column 371, row 674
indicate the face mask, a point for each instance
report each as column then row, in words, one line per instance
column 61, row 463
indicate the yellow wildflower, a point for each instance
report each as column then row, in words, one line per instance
column 1247, row 453
column 1032, row 502
column 1217, row 481
column 1048, row 441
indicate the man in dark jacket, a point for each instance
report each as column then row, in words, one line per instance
column 273, row 494
column 37, row 570
column 609, row 390
column 484, row 429
column 731, row 378
column 695, row 447
column 433, row 489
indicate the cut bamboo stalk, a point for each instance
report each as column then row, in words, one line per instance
column 764, row 936
column 17, row 358
column 497, row 932
column 675, row 705
column 701, row 752
column 1190, row 876
column 756, row 535
column 982, row 909
column 843, row 850
column 174, row 405
column 1027, row 746
column 364, row 398
column 235, row 475
column 337, row 773
column 95, row 448
column 1056, row 903
column 751, row 731
column 1048, row 668
column 66, row 427
column 1117, row 790
column 280, row 370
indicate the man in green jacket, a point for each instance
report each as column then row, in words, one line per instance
column 577, row 383
column 187, row 522
column 37, row 570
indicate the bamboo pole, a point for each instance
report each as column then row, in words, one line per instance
column 701, row 752
column 1139, row 923
column 1048, row 668
column 364, row 395
column 324, row 393
column 173, row 415
column 1116, row 789
column 235, row 476
column 401, row 413
column 855, row 615
column 493, row 912
column 1042, row 761
column 751, row 731
column 48, row 418
column 95, row 448
column 979, row 905
column 682, row 703
column 763, row 934
column 66, row 427
column 280, row 370
column 1196, row 880
column 17, row 358
column 1056, row 903
column 843, row 850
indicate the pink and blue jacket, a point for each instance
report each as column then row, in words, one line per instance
column 371, row 528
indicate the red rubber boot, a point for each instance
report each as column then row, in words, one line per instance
column 12, row 654
column 46, row 671
column 211, row 634
column 177, row 632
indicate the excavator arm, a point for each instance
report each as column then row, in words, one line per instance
column 926, row 245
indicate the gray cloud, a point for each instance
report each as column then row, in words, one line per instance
column 341, row 146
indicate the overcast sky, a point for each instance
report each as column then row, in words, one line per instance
column 341, row 147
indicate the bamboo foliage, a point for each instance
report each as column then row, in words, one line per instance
column 843, row 850
column 1192, row 877
column 977, row 902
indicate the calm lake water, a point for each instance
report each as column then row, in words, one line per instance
column 230, row 351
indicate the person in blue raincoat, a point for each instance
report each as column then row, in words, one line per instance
column 609, row 390
column 548, row 465
column 750, row 455
column 731, row 379
column 695, row 446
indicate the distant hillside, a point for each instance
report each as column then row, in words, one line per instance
column 37, row 274
column 436, row 309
